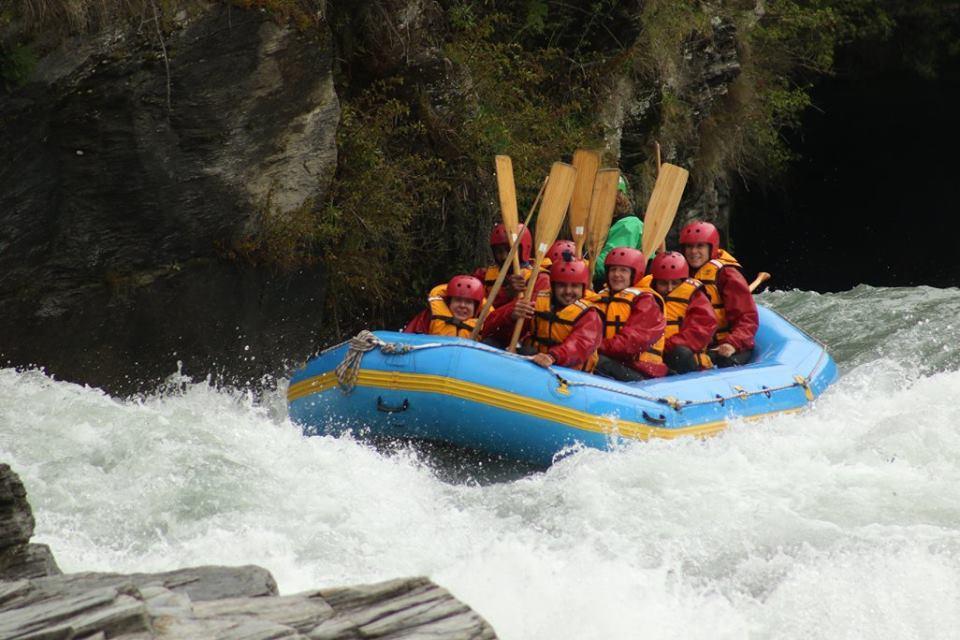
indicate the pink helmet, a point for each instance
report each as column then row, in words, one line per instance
column 574, row 271
column 701, row 232
column 499, row 236
column 558, row 248
column 626, row 257
column 465, row 287
column 670, row 266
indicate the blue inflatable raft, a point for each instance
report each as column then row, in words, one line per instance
column 450, row 390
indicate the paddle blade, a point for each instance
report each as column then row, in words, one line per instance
column 556, row 199
column 602, row 205
column 762, row 277
column 662, row 208
column 586, row 163
column 507, row 190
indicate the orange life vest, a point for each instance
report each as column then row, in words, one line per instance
column 707, row 274
column 442, row 322
column 677, row 302
column 551, row 328
column 616, row 309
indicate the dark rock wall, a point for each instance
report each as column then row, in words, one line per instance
column 120, row 211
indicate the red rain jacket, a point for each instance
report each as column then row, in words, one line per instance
column 698, row 325
column 644, row 327
column 740, row 307
column 583, row 340
column 420, row 323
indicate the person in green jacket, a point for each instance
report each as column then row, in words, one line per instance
column 626, row 231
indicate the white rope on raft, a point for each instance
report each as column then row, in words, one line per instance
column 349, row 370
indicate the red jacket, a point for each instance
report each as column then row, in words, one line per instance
column 644, row 327
column 584, row 338
column 420, row 323
column 504, row 295
column 697, row 327
column 740, row 307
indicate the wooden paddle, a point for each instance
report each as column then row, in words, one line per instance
column 507, row 190
column 495, row 289
column 662, row 208
column 663, row 245
column 762, row 277
column 602, row 205
column 586, row 163
column 556, row 199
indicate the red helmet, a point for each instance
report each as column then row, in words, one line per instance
column 559, row 247
column 574, row 271
column 626, row 257
column 499, row 236
column 465, row 287
column 670, row 266
column 701, row 232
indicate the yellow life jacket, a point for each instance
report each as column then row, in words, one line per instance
column 442, row 322
column 675, row 309
column 551, row 328
column 616, row 309
column 707, row 274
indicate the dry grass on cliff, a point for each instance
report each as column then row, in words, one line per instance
column 81, row 15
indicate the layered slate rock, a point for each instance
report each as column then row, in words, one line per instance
column 133, row 163
column 84, row 605
column 19, row 558
column 198, row 603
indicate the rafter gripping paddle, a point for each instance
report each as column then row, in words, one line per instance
column 556, row 199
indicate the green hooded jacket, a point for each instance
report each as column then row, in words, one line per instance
column 625, row 232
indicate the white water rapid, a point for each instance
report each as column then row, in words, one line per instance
column 842, row 521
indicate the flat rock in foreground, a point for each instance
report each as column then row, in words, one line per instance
column 81, row 607
column 229, row 603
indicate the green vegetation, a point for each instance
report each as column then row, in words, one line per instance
column 16, row 62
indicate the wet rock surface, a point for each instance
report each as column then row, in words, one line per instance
column 206, row 602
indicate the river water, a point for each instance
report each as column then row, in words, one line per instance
column 842, row 521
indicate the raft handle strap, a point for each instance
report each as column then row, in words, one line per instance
column 386, row 408
column 662, row 419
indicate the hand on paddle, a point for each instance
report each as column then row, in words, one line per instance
column 522, row 310
column 517, row 284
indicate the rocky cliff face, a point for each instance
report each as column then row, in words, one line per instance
column 231, row 187
column 134, row 162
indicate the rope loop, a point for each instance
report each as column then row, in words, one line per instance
column 349, row 368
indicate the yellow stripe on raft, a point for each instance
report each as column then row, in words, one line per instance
column 396, row 380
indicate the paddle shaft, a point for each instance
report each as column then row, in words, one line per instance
column 527, row 295
column 663, row 245
column 495, row 289
column 556, row 200
column 762, row 277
